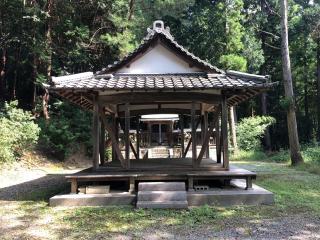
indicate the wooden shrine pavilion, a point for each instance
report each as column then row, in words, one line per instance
column 159, row 77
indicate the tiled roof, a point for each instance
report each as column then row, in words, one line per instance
column 228, row 80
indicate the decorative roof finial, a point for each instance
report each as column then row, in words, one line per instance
column 158, row 24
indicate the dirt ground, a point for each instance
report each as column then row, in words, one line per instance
column 25, row 214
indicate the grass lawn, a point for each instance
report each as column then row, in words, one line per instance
column 297, row 193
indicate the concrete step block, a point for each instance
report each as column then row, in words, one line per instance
column 162, row 186
column 165, row 204
column 162, row 195
column 97, row 189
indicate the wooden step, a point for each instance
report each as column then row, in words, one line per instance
column 162, row 195
column 162, row 186
column 159, row 152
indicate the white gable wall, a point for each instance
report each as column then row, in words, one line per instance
column 159, row 60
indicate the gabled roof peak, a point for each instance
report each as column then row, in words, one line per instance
column 160, row 32
column 158, row 27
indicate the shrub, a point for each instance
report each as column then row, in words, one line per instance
column 251, row 129
column 18, row 132
column 281, row 156
column 311, row 153
column 250, row 155
column 68, row 128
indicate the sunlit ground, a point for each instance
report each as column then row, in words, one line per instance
column 297, row 195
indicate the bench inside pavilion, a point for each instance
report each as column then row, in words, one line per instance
column 158, row 77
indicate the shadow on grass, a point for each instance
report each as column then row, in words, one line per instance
column 37, row 189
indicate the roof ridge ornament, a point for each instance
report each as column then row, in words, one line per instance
column 158, row 27
column 158, row 24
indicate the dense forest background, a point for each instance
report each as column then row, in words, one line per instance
column 44, row 38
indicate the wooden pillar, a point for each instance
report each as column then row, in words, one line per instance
column 193, row 135
column 233, row 129
column 206, row 126
column 131, row 185
column 149, row 134
column 74, row 185
column 224, row 131
column 190, row 184
column 115, row 127
column 102, row 143
column 95, row 134
column 160, row 137
column 126, row 135
column 182, row 134
column 203, row 130
column 218, row 139
column 138, row 137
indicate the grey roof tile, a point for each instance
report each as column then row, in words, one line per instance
column 157, row 81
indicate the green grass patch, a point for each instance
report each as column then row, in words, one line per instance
column 250, row 155
column 297, row 191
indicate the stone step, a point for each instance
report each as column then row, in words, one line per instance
column 159, row 153
column 162, row 186
column 162, row 196
column 163, row 204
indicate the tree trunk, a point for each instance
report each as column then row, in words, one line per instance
column 3, row 73
column 267, row 139
column 296, row 157
column 264, row 96
column 45, row 97
column 306, row 102
column 318, row 88
column 131, row 9
column 15, row 74
column 34, row 77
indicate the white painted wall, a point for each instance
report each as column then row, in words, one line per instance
column 159, row 60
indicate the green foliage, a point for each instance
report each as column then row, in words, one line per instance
column 251, row 129
column 281, row 156
column 253, row 52
column 68, row 129
column 239, row 34
column 250, row 155
column 285, row 103
column 18, row 132
column 311, row 153
column 233, row 62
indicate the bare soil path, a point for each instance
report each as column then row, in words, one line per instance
column 25, row 214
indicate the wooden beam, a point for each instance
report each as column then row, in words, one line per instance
column 115, row 144
column 204, row 145
column 136, row 97
column 187, row 148
column 224, row 131
column 159, row 111
column 193, row 135
column 127, row 136
column 95, row 134
column 133, row 150
column 206, row 140
column 190, row 141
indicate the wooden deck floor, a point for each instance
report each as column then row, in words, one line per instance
column 163, row 164
column 161, row 170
